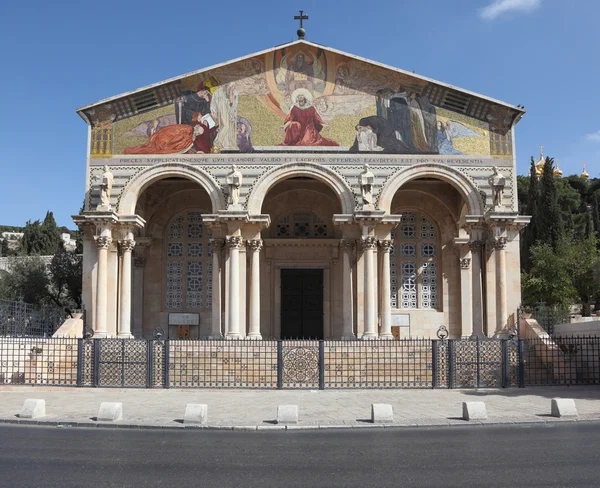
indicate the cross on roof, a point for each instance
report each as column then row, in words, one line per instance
column 301, row 32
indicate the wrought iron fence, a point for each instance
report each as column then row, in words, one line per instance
column 19, row 319
column 548, row 316
column 407, row 363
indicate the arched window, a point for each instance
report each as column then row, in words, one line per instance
column 189, row 262
column 413, row 263
column 302, row 223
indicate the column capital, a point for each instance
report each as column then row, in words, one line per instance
column 368, row 243
column 465, row 263
column 347, row 244
column 103, row 242
column 255, row 244
column 127, row 245
column 218, row 243
column 499, row 243
column 233, row 242
column 385, row 245
column 476, row 246
column 139, row 262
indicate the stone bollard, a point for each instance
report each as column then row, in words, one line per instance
column 33, row 408
column 287, row 414
column 563, row 407
column 474, row 411
column 381, row 413
column 195, row 414
column 110, row 412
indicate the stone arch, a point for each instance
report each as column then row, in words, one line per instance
column 290, row 170
column 450, row 175
column 136, row 185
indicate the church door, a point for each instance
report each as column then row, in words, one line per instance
column 302, row 304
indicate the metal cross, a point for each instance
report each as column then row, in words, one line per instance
column 301, row 17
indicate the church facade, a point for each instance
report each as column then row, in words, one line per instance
column 300, row 192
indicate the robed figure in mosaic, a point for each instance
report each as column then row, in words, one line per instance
column 303, row 124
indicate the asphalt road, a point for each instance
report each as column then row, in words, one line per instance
column 552, row 455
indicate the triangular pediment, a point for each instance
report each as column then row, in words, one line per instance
column 301, row 95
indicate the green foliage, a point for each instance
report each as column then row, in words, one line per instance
column 41, row 239
column 562, row 275
column 66, row 279
column 27, row 280
column 550, row 225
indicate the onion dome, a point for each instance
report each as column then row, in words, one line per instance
column 557, row 170
column 584, row 174
column 539, row 166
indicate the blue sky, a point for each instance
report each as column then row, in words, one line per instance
column 58, row 56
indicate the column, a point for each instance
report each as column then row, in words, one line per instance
column 490, row 288
column 466, row 297
column 215, row 326
column 233, row 289
column 501, row 303
column 103, row 241
column 254, row 329
column 476, row 250
column 127, row 246
column 369, row 244
column 138, row 296
column 347, row 246
column 386, row 291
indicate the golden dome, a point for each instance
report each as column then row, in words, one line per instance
column 557, row 170
column 584, row 174
column 539, row 166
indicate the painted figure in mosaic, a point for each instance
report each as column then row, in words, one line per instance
column 234, row 182
column 203, row 134
column 447, row 132
column 106, row 184
column 417, row 124
column 398, row 113
column 224, row 107
column 172, row 139
column 367, row 139
column 497, row 182
column 303, row 124
column 430, row 120
column 366, row 180
column 386, row 136
column 242, row 140
column 193, row 102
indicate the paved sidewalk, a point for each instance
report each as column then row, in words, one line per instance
column 256, row 409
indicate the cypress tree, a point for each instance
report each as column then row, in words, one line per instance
column 530, row 233
column 596, row 214
column 50, row 235
column 549, row 225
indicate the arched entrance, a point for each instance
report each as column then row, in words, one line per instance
column 301, row 247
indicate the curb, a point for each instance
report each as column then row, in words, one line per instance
column 263, row 427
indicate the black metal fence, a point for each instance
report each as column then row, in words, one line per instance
column 407, row 363
column 19, row 319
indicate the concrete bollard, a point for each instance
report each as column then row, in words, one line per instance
column 110, row 411
column 287, row 414
column 563, row 407
column 381, row 413
column 195, row 414
column 33, row 408
column 474, row 411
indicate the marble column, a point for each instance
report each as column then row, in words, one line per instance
column 233, row 289
column 501, row 302
column 490, row 288
column 347, row 246
column 477, row 287
column 138, row 296
column 254, row 329
column 127, row 246
column 369, row 244
column 103, row 242
column 466, row 297
column 215, row 326
column 386, row 291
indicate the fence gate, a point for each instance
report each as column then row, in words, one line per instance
column 121, row 363
column 299, row 363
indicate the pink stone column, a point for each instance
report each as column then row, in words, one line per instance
column 254, row 331
column 386, row 291
column 233, row 290
column 103, row 242
column 127, row 246
column 347, row 246
column 369, row 244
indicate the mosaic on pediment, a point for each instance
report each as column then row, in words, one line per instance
column 301, row 97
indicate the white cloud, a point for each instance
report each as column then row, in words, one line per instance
column 499, row 7
column 595, row 136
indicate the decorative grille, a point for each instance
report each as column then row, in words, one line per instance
column 302, row 224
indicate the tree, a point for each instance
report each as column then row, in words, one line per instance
column 65, row 279
column 549, row 221
column 26, row 280
column 41, row 239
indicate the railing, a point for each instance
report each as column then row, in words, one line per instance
column 19, row 319
column 407, row 363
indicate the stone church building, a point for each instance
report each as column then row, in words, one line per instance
column 300, row 192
